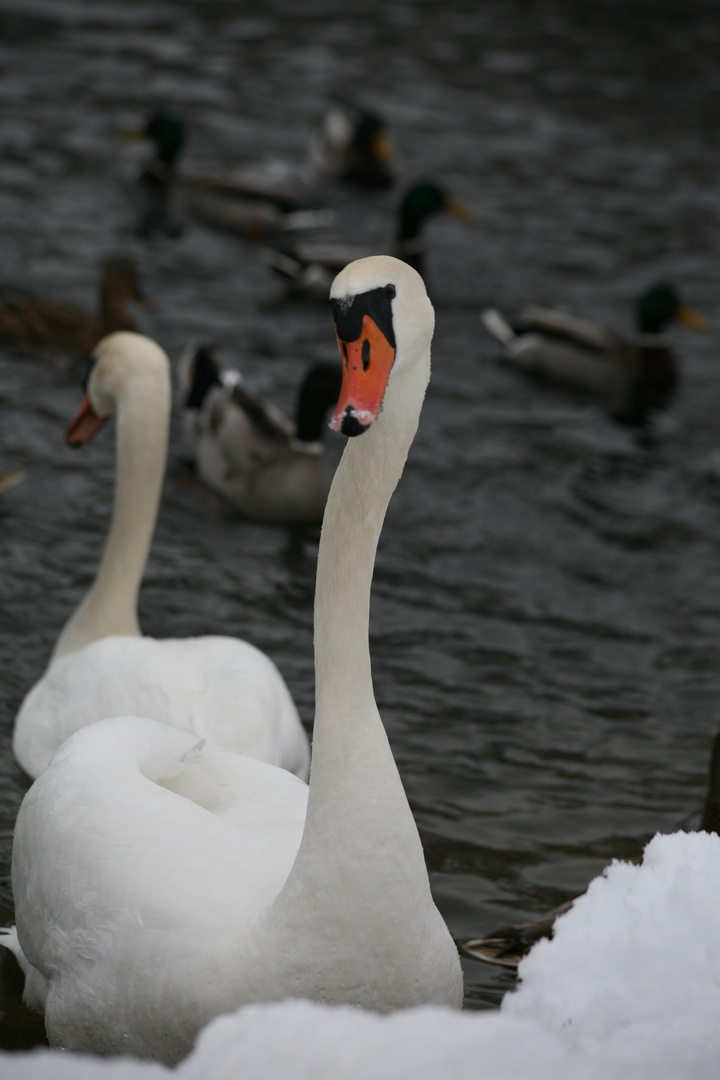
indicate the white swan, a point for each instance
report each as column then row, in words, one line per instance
column 159, row 881
column 220, row 688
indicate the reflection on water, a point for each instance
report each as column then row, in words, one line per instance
column 546, row 612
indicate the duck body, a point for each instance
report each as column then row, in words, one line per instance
column 635, row 374
column 102, row 666
column 30, row 320
column 160, row 881
column 236, row 202
column 308, row 268
column 254, row 202
column 249, row 452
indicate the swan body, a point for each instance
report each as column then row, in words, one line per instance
column 220, row 688
column 160, row 880
column 636, row 374
column 31, row 320
column 248, row 451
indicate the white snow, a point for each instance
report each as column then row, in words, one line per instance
column 629, row 989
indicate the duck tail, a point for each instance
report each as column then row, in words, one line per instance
column 288, row 266
column 505, row 948
column 497, row 325
column 509, row 944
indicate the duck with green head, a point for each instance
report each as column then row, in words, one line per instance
column 157, row 177
column 308, row 268
column 352, row 145
column 251, row 201
column 636, row 374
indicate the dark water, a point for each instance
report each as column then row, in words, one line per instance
column 546, row 617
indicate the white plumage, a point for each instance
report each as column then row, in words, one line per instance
column 216, row 687
column 160, row 881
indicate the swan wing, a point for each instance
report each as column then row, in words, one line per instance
column 216, row 687
column 133, row 848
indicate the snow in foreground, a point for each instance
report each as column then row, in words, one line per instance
column 629, row 987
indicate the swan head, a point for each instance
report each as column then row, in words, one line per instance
column 119, row 361
column 383, row 320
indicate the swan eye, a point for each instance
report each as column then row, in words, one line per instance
column 390, row 291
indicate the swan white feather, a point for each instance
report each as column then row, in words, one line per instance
column 160, row 881
column 217, row 687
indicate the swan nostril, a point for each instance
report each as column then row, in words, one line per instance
column 350, row 425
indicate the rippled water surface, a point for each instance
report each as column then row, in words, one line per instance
column 546, row 615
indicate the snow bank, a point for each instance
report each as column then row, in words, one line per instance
column 629, row 988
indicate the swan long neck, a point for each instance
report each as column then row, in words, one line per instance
column 110, row 607
column 357, row 807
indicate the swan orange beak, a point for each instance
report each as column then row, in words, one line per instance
column 84, row 426
column 366, row 369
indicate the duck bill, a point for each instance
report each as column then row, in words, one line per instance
column 691, row 318
column 84, row 426
column 458, row 210
column 382, row 149
column 366, row 368
column 131, row 135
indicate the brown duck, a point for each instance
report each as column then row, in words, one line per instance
column 31, row 320
column 509, row 944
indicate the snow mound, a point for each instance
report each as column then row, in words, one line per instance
column 629, row 988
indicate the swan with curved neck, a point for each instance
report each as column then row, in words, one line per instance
column 225, row 881
column 218, row 687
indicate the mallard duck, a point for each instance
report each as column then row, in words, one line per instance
column 252, row 201
column 247, row 450
column 30, row 320
column 308, row 268
column 509, row 944
column 636, row 374
column 160, row 881
column 352, row 145
column 10, row 480
column 219, row 688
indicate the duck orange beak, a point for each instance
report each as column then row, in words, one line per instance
column 382, row 148
column 366, row 369
column 688, row 317
column 84, row 426
column 458, row 210
column 130, row 135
